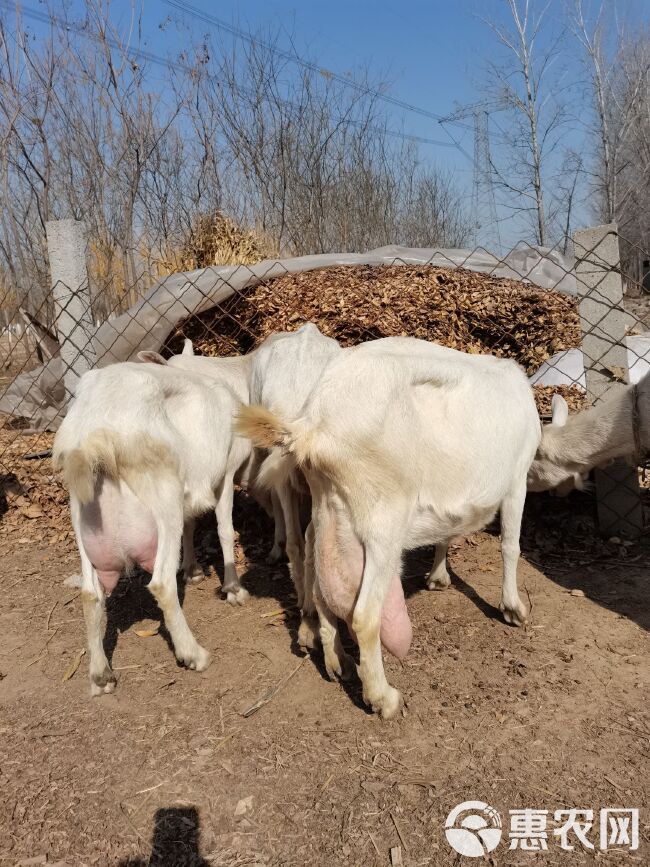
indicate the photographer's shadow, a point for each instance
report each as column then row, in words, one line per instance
column 175, row 841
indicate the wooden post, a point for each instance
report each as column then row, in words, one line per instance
column 605, row 325
column 66, row 246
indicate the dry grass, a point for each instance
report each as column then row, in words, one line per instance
column 214, row 240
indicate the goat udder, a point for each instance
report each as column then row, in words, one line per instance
column 108, row 579
column 396, row 631
column 340, row 571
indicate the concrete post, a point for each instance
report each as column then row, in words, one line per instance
column 66, row 246
column 605, row 325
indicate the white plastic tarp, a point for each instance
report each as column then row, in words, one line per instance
column 568, row 367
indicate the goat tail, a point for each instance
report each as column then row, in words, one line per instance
column 81, row 466
column 268, row 431
column 263, row 428
column 105, row 453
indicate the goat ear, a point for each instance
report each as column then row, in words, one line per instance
column 559, row 411
column 151, row 357
column 188, row 348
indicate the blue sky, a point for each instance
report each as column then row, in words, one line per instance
column 431, row 53
column 426, row 53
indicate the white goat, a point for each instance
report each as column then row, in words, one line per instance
column 571, row 446
column 279, row 375
column 285, row 370
column 403, row 443
column 142, row 448
column 234, row 373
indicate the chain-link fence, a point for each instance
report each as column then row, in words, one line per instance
column 579, row 325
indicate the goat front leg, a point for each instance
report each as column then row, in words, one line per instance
column 93, row 600
column 234, row 592
column 514, row 610
column 295, row 544
column 308, row 631
column 382, row 563
column 277, row 552
column 438, row 578
column 192, row 572
column 164, row 589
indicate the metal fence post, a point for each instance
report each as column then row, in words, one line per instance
column 66, row 246
column 605, row 324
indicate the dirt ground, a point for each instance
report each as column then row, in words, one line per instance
column 169, row 772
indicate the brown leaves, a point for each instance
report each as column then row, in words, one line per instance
column 36, row 501
column 33, row 510
column 574, row 396
column 458, row 308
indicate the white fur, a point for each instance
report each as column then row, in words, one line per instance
column 417, row 443
column 573, row 445
column 285, row 370
column 171, row 442
column 233, row 373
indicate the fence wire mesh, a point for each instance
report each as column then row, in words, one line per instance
column 584, row 335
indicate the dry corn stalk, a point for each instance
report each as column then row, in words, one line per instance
column 215, row 240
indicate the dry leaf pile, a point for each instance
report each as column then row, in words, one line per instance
column 456, row 307
column 33, row 501
column 574, row 396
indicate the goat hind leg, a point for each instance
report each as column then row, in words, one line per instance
column 513, row 609
column 382, row 563
column 308, row 631
column 165, row 592
column 277, row 552
column 438, row 578
column 192, row 572
column 93, row 600
column 295, row 544
column 338, row 664
column 231, row 587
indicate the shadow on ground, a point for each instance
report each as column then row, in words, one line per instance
column 559, row 537
column 175, row 841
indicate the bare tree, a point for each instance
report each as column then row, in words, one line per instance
column 144, row 149
column 602, row 130
column 618, row 126
column 632, row 125
column 313, row 164
column 525, row 92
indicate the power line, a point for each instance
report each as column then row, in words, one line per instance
column 141, row 54
column 183, row 6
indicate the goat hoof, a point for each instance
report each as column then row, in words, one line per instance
column 237, row 597
column 193, row 575
column 339, row 667
column 198, row 661
column 308, row 638
column 389, row 705
column 104, row 683
column 349, row 667
column 276, row 555
column 439, row 582
column 514, row 616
